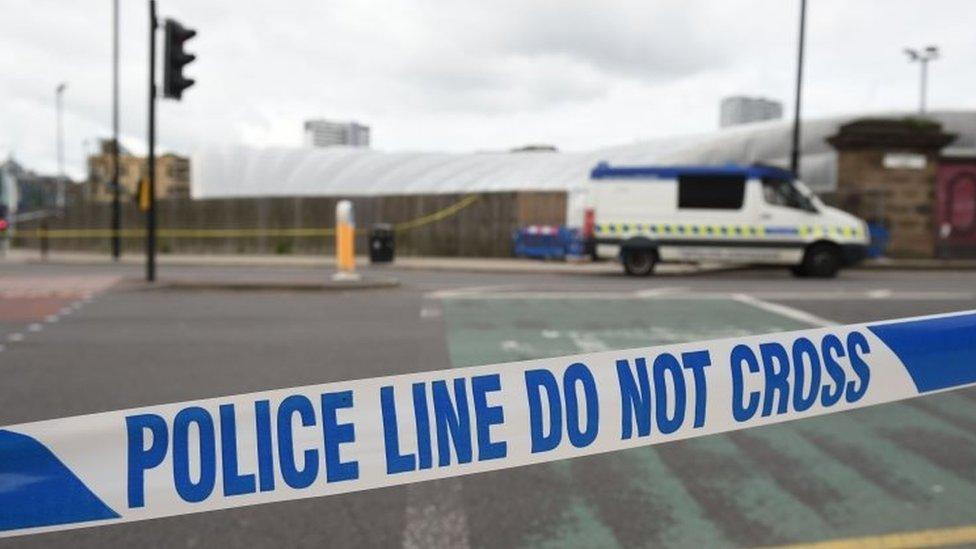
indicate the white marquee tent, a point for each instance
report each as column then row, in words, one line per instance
column 237, row 171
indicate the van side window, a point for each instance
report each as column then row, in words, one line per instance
column 779, row 192
column 714, row 192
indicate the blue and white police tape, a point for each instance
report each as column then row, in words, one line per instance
column 343, row 437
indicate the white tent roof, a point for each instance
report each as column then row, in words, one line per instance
column 237, row 171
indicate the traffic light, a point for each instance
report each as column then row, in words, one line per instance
column 175, row 59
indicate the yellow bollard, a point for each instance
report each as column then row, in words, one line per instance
column 345, row 242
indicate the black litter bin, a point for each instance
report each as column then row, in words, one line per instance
column 381, row 243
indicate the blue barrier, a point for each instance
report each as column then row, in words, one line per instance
column 547, row 242
column 879, row 240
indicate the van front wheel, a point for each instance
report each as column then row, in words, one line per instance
column 639, row 262
column 820, row 261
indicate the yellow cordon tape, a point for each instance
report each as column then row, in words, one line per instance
column 347, row 436
column 438, row 215
column 243, row 233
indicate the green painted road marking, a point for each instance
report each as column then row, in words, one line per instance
column 497, row 330
column 883, row 469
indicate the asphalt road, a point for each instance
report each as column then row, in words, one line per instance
column 83, row 339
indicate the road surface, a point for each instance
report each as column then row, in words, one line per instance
column 82, row 339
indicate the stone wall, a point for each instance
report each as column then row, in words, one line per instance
column 886, row 173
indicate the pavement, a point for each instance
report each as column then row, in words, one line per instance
column 458, row 264
column 81, row 338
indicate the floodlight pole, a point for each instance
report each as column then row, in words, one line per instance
column 795, row 145
column 59, row 198
column 923, row 91
column 922, row 57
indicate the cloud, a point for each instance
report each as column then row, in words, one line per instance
column 464, row 74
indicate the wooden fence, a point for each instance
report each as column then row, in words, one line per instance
column 246, row 225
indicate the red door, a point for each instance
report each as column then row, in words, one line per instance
column 956, row 208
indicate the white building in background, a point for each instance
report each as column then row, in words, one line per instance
column 326, row 133
column 8, row 189
column 740, row 109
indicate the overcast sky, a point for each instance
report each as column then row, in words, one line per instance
column 458, row 75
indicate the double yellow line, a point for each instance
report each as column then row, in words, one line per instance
column 244, row 233
column 938, row 537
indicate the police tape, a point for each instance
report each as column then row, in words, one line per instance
column 335, row 438
column 271, row 232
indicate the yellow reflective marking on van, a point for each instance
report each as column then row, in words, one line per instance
column 716, row 231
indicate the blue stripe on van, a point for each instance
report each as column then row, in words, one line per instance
column 782, row 230
column 604, row 170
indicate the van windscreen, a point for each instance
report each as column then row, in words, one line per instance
column 716, row 192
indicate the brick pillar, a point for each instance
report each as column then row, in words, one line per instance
column 886, row 171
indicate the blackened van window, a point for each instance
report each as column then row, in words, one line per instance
column 713, row 192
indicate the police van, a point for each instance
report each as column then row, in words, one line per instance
column 742, row 214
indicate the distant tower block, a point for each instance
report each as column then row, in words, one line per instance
column 739, row 109
column 326, row 133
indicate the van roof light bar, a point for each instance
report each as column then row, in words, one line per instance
column 604, row 170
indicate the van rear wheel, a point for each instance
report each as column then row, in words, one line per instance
column 639, row 262
column 820, row 261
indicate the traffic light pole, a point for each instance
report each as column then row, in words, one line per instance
column 151, row 164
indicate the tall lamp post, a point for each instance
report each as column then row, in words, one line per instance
column 795, row 142
column 922, row 57
column 116, row 222
column 58, row 93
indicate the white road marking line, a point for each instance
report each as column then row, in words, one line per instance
column 510, row 345
column 864, row 295
column 51, row 319
column 2, row 348
column 465, row 291
column 65, row 311
column 435, row 516
column 683, row 293
column 35, row 327
column 588, row 342
column 15, row 337
column 430, row 312
column 783, row 310
column 545, row 295
column 550, row 334
column 657, row 292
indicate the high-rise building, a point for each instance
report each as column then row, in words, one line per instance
column 740, row 109
column 326, row 133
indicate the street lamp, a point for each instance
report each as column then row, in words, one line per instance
column 116, row 222
column 58, row 93
column 922, row 57
column 795, row 141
